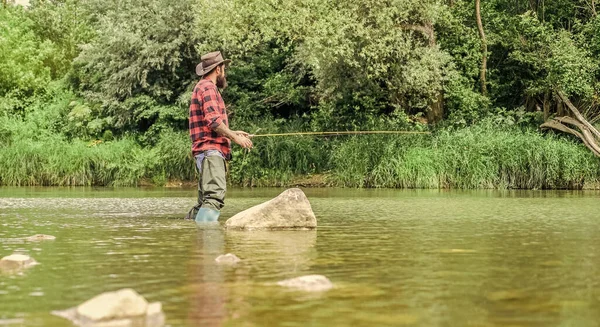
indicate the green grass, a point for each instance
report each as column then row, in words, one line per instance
column 483, row 156
column 470, row 158
column 72, row 163
column 30, row 156
column 275, row 161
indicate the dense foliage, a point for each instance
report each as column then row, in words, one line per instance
column 96, row 92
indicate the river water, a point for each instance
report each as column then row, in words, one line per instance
column 396, row 257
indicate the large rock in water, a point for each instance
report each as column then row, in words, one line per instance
column 124, row 307
column 309, row 283
column 288, row 211
column 16, row 262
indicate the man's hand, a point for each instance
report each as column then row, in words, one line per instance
column 242, row 140
column 240, row 137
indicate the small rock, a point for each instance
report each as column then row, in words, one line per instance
column 228, row 258
column 16, row 262
column 40, row 237
column 124, row 307
column 309, row 283
column 288, row 211
column 508, row 295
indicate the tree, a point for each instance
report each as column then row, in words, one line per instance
column 367, row 60
column 483, row 47
column 23, row 60
column 138, row 70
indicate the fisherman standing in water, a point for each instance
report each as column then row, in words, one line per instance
column 211, row 137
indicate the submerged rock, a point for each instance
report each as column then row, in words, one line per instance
column 40, row 237
column 507, row 295
column 228, row 258
column 7, row 322
column 308, row 283
column 124, row 307
column 16, row 262
column 288, row 211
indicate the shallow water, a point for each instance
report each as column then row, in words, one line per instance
column 414, row 258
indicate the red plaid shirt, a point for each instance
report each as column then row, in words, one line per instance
column 207, row 111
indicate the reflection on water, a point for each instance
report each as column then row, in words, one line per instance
column 414, row 258
column 207, row 278
column 293, row 250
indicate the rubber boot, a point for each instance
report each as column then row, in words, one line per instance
column 206, row 215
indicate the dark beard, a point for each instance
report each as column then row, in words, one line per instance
column 221, row 82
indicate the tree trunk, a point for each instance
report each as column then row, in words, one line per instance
column 585, row 135
column 546, row 106
column 593, row 5
column 586, row 131
column 578, row 115
column 436, row 110
column 560, row 109
column 533, row 6
column 483, row 70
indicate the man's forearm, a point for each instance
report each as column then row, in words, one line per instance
column 224, row 131
column 238, row 137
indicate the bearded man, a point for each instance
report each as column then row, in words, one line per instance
column 211, row 137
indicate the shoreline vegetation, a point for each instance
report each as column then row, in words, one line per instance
column 96, row 93
column 477, row 157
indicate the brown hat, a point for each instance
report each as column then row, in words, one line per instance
column 209, row 61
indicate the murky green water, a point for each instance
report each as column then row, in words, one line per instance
column 415, row 258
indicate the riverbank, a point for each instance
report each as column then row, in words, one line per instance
column 477, row 157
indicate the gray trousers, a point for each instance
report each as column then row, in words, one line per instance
column 212, row 184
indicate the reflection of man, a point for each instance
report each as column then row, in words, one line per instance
column 211, row 137
column 208, row 293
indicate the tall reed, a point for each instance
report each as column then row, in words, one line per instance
column 474, row 157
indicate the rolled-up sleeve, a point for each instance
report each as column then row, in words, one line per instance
column 210, row 107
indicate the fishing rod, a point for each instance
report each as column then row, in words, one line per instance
column 338, row 133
